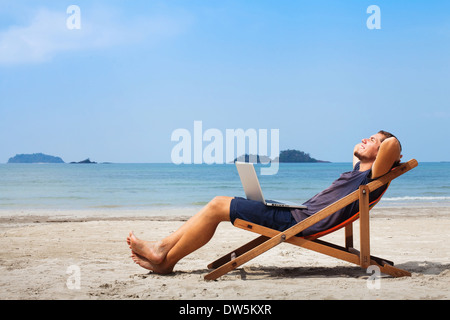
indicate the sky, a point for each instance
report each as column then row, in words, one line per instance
column 116, row 86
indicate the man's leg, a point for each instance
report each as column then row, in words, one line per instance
column 162, row 256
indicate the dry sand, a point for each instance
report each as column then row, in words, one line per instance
column 40, row 257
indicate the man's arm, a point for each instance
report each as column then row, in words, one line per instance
column 388, row 154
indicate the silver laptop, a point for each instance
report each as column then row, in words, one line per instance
column 253, row 190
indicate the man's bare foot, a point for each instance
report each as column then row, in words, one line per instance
column 153, row 252
column 146, row 264
column 141, row 261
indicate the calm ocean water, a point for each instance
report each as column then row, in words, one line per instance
column 114, row 187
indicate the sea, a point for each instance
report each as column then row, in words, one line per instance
column 168, row 189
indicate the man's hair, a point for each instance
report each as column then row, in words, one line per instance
column 389, row 135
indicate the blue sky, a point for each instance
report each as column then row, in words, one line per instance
column 117, row 88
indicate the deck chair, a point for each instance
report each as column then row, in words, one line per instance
column 270, row 238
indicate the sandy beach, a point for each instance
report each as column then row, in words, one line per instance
column 43, row 257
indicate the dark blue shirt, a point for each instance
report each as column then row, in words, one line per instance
column 343, row 186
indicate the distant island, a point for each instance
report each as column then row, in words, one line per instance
column 252, row 157
column 35, row 158
column 87, row 161
column 286, row 156
column 298, row 156
column 42, row 158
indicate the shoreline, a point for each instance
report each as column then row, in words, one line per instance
column 180, row 214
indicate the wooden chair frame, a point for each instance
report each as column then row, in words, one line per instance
column 270, row 238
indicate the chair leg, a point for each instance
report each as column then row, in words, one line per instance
column 236, row 253
column 393, row 271
column 364, row 226
column 349, row 236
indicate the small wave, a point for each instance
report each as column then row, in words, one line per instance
column 107, row 206
column 199, row 203
column 411, row 198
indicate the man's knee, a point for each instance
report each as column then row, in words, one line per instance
column 220, row 204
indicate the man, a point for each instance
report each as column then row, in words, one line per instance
column 373, row 157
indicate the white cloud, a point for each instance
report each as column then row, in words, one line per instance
column 47, row 34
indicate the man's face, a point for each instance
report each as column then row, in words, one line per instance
column 368, row 149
